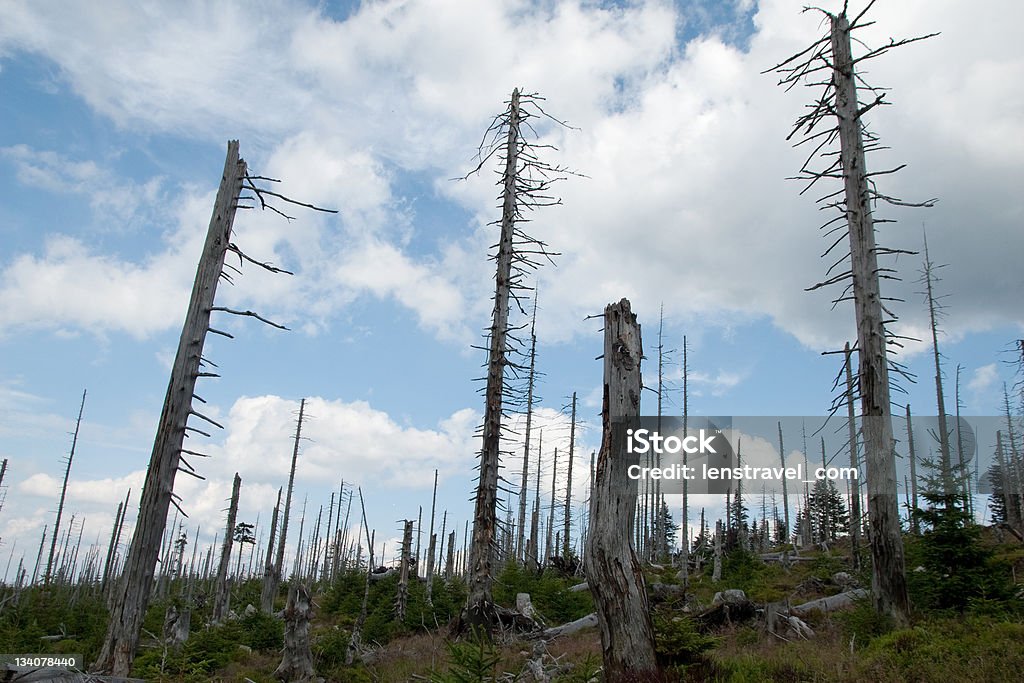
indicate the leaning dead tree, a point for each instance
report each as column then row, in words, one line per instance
column 63, row 492
column 131, row 595
column 836, row 116
column 525, row 182
column 612, row 567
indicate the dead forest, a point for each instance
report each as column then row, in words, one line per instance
column 624, row 580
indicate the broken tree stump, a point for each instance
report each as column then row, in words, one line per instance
column 297, row 661
column 612, row 568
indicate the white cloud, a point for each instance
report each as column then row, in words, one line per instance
column 684, row 147
column 983, row 379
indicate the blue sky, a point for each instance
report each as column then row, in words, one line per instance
column 114, row 125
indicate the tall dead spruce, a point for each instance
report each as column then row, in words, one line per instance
column 130, row 596
column 837, row 115
column 525, row 182
column 612, row 567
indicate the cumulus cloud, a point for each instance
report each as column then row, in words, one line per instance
column 684, row 147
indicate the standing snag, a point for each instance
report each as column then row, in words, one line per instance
column 612, row 568
column 837, row 116
column 525, row 182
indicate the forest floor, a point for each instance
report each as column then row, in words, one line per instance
column 981, row 640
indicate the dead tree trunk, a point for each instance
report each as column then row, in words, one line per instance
column 269, row 586
column 297, row 662
column 432, row 543
column 480, row 611
column 836, row 114
column 915, row 523
column 785, row 491
column 355, row 640
column 851, row 428
column 685, row 525
column 945, row 457
column 716, row 572
column 403, row 573
column 63, row 491
column 223, row 593
column 566, row 544
column 279, row 563
column 613, row 570
column 888, row 578
column 524, row 481
column 533, row 546
column 131, row 596
column 551, row 510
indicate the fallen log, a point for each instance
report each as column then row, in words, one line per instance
column 579, row 587
column 27, row 674
column 589, row 621
column 831, row 603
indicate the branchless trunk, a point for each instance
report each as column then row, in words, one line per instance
column 613, row 570
column 524, row 480
column 63, row 491
column 131, row 596
column 269, row 585
column 223, row 594
column 566, row 545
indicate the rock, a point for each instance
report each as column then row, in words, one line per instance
column 842, row 579
column 664, row 592
column 732, row 596
column 249, row 610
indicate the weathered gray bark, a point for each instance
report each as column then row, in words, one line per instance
column 888, row 580
column 269, row 589
column 297, row 661
column 131, row 596
column 403, row 573
column 480, row 612
column 279, row 562
column 566, row 544
column 613, row 570
column 684, row 572
column 431, row 550
column 851, row 428
column 524, row 480
column 63, row 492
column 548, row 551
column 785, row 489
column 355, row 640
column 223, row 593
column 945, row 458
column 716, row 572
column 111, row 548
column 915, row 523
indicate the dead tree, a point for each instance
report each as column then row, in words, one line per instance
column 524, row 482
column 63, row 491
column 928, row 278
column 297, row 660
column 851, row 428
column 269, row 586
column 685, row 524
column 111, row 548
column 402, row 600
column 131, row 596
column 431, row 549
column 525, row 183
column 613, row 570
column 223, row 594
column 837, row 116
column 566, row 545
column 785, row 491
column 551, row 509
